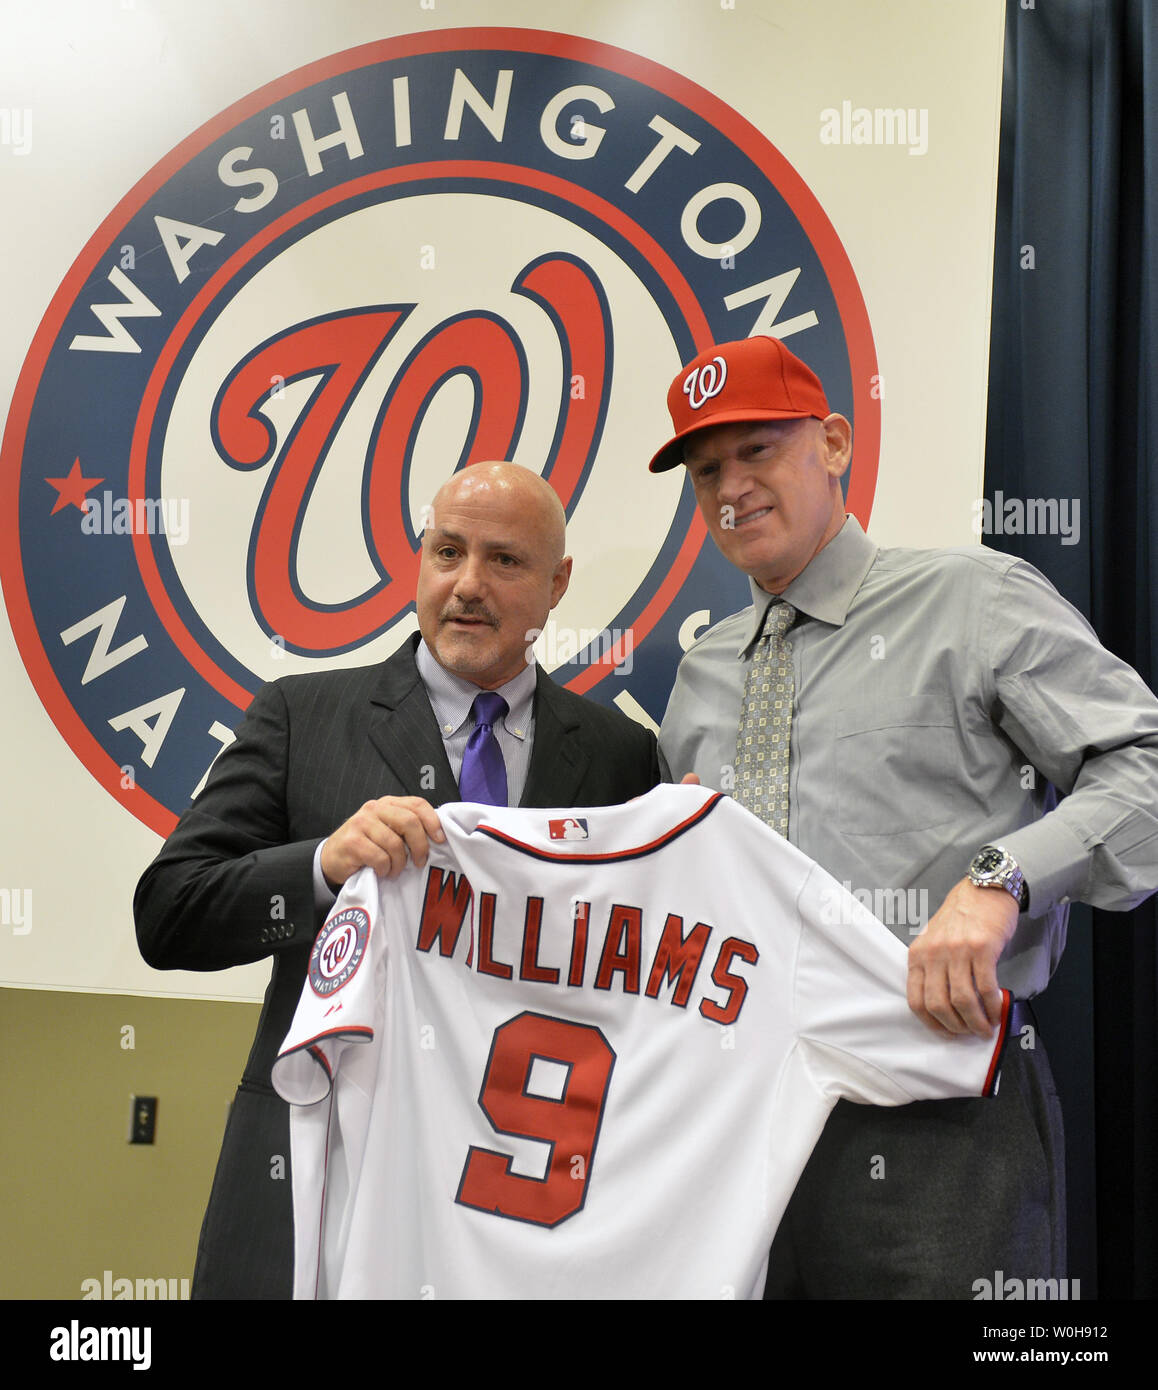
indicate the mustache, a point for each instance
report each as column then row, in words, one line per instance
column 478, row 611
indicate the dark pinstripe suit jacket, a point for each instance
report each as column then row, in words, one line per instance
column 234, row 883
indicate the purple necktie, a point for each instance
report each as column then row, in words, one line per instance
column 484, row 774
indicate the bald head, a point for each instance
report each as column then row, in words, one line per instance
column 513, row 490
column 492, row 568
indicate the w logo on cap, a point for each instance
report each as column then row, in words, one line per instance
column 702, row 383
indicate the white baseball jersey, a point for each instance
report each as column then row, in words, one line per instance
column 587, row 1053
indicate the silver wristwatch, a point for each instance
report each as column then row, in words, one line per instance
column 994, row 867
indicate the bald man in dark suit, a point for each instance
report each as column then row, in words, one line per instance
column 336, row 770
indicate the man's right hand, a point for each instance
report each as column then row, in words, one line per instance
column 383, row 834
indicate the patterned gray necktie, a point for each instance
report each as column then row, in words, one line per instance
column 762, row 742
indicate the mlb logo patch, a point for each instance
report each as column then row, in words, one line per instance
column 571, row 828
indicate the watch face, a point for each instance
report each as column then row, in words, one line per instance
column 988, row 861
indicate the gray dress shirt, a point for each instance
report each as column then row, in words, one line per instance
column 944, row 699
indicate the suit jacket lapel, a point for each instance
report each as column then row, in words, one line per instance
column 558, row 759
column 406, row 736
column 404, row 731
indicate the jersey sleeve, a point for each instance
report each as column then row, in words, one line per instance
column 340, row 1002
column 859, row 1038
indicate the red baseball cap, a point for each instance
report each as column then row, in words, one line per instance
column 753, row 379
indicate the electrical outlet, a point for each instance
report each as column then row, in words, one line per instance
column 142, row 1119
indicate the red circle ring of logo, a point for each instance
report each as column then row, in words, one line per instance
column 853, row 323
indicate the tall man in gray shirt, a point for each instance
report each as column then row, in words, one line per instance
column 938, row 701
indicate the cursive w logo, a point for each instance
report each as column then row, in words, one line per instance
column 337, row 353
column 702, row 383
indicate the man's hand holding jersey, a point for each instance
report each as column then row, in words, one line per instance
column 953, row 962
column 383, row 835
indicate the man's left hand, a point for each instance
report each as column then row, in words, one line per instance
column 953, row 962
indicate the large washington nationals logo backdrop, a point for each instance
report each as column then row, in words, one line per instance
column 456, row 246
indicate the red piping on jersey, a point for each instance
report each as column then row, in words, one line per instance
column 316, row 1053
column 322, row 1203
column 616, row 856
column 999, row 1046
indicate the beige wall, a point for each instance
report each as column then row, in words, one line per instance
column 78, row 1198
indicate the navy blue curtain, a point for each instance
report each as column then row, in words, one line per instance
column 1073, row 416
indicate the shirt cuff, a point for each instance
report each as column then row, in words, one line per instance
column 324, row 896
column 1055, row 862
